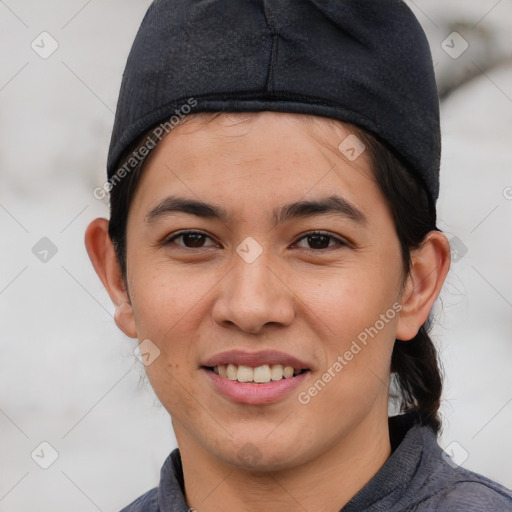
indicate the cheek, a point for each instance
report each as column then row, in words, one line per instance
column 168, row 311
column 166, row 299
column 354, row 313
column 346, row 301
column 169, row 305
column 356, row 323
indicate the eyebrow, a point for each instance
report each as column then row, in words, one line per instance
column 329, row 205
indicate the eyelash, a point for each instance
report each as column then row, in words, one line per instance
column 337, row 240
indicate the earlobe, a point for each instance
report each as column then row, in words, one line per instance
column 124, row 319
column 102, row 255
column 429, row 267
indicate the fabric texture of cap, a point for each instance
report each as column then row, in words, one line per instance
column 366, row 62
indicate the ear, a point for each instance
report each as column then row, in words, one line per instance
column 429, row 267
column 103, row 258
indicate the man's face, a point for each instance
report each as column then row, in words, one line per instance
column 260, row 283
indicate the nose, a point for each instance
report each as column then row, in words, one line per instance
column 254, row 295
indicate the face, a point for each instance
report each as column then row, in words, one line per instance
column 292, row 259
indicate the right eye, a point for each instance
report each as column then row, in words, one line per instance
column 190, row 239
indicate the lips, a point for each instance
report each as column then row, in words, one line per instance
column 255, row 377
column 255, row 359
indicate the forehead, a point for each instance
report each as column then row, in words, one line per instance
column 265, row 158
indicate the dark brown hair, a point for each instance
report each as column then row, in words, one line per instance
column 415, row 362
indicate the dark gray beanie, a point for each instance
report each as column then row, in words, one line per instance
column 366, row 62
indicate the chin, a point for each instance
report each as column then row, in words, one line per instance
column 260, row 455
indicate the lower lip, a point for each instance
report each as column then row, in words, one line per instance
column 255, row 394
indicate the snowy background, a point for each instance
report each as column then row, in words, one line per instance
column 69, row 378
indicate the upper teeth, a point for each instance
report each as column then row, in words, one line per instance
column 260, row 374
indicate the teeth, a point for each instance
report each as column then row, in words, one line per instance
column 231, row 371
column 260, row 374
column 276, row 372
column 288, row 372
column 245, row 374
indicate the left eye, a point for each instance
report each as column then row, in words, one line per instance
column 319, row 241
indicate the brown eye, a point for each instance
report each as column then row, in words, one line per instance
column 193, row 240
column 190, row 239
column 319, row 241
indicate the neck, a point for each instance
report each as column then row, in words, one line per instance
column 323, row 484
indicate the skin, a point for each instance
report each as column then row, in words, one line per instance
column 308, row 300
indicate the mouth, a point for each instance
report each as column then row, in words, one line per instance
column 255, row 378
column 262, row 374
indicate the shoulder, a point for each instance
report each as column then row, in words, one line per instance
column 472, row 495
column 148, row 502
column 440, row 485
column 458, row 489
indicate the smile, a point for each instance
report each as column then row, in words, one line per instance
column 260, row 374
column 255, row 378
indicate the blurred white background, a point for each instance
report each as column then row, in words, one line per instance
column 69, row 377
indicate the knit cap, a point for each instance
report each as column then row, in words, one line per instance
column 366, row 62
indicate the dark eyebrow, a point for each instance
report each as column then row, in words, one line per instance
column 174, row 204
column 328, row 205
